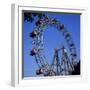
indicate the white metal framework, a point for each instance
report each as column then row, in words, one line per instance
column 66, row 66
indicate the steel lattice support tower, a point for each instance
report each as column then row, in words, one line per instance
column 65, row 63
column 56, row 67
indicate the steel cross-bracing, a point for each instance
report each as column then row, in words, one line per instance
column 60, row 66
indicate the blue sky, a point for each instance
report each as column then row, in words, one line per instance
column 52, row 39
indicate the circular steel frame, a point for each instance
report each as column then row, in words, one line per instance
column 38, row 49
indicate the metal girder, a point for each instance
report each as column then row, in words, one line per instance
column 56, row 68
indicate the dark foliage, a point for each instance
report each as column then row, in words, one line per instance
column 30, row 16
column 77, row 69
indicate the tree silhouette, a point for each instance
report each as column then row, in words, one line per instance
column 77, row 69
column 29, row 17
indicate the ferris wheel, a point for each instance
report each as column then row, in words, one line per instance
column 59, row 66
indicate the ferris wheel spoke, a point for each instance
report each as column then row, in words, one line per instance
column 56, row 68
